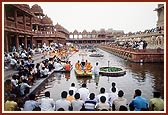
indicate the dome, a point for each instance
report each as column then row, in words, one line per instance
column 94, row 32
column 75, row 32
column 36, row 9
column 47, row 20
column 84, row 32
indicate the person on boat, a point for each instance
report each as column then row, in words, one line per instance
column 78, row 66
column 67, row 66
column 86, row 63
column 83, row 64
column 88, row 66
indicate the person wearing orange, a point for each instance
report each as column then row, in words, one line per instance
column 67, row 66
column 86, row 63
column 88, row 67
column 78, row 65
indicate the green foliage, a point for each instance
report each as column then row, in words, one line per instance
column 110, row 69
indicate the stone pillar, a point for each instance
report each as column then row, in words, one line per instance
column 6, row 42
column 31, row 41
column 25, row 42
column 24, row 21
column 31, row 23
column 17, row 41
column 37, row 28
column 15, row 17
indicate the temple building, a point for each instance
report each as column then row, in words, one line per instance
column 17, row 26
column 160, row 14
column 43, row 29
column 94, row 36
column 26, row 27
column 29, row 27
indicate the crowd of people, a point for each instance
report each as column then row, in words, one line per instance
column 81, row 99
column 17, row 89
column 27, row 73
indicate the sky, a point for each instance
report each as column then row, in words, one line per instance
column 126, row 16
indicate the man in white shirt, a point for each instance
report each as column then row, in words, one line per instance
column 102, row 93
column 47, row 104
column 31, row 103
column 58, row 66
column 119, row 101
column 73, row 88
column 96, row 70
column 84, row 92
column 63, row 103
column 77, row 103
column 13, row 63
column 44, row 72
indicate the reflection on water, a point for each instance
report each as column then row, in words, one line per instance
column 148, row 77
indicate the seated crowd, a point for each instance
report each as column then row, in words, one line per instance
column 82, row 99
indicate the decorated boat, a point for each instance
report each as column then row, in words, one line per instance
column 112, row 71
column 96, row 55
column 81, row 73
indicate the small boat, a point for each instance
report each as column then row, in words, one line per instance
column 112, row 71
column 96, row 55
column 92, row 50
column 81, row 73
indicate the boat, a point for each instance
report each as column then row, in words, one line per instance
column 81, row 73
column 96, row 55
column 92, row 50
column 112, row 71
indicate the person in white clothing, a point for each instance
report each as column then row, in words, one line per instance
column 112, row 96
column 73, row 88
column 58, row 66
column 63, row 103
column 83, row 91
column 47, row 104
column 103, row 105
column 96, row 70
column 77, row 103
column 13, row 63
column 119, row 101
column 102, row 93
column 141, row 45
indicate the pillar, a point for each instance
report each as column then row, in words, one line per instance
column 15, row 17
column 24, row 21
column 25, row 42
column 6, row 42
column 31, row 41
column 17, row 42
